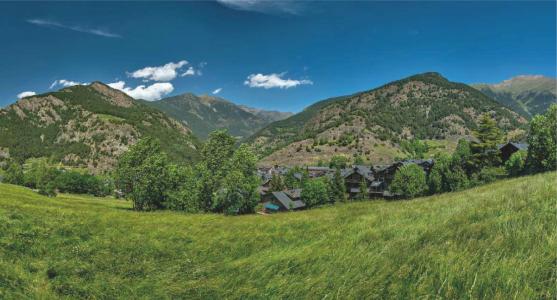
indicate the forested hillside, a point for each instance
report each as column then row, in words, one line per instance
column 528, row 95
column 204, row 114
column 87, row 126
column 374, row 122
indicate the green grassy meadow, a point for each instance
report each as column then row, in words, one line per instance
column 496, row 241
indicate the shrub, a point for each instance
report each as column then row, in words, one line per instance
column 315, row 192
column 409, row 181
column 14, row 174
column 490, row 174
column 542, row 141
column 515, row 164
column 338, row 162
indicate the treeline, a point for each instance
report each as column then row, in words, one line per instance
column 42, row 175
column 479, row 162
column 224, row 180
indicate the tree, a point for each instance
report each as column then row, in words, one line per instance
column 515, row 164
column 542, row 142
column 446, row 175
column 338, row 162
column 290, row 179
column 14, row 174
column 337, row 187
column 238, row 192
column 276, row 183
column 142, row 174
column 485, row 152
column 215, row 154
column 462, row 156
column 315, row 192
column 363, row 194
column 414, row 148
column 186, row 195
column 409, row 181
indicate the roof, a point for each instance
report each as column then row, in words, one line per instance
column 360, row 169
column 294, row 193
column 519, row 146
column 283, row 198
column 271, row 206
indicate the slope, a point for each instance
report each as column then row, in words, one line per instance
column 372, row 123
column 527, row 94
column 492, row 242
column 204, row 114
column 87, row 126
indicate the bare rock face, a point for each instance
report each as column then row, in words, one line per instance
column 115, row 97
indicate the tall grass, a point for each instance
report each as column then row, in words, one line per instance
column 495, row 242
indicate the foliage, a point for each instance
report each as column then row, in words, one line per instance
column 409, row 181
column 338, row 162
column 315, row 192
column 337, row 187
column 414, row 148
column 276, row 183
column 447, row 175
column 485, row 152
column 515, row 164
column 290, row 180
column 363, row 194
column 490, row 174
column 542, row 141
column 143, row 175
column 238, row 192
column 14, row 174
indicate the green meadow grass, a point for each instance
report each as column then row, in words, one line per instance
column 497, row 241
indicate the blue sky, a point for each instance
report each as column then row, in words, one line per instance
column 273, row 55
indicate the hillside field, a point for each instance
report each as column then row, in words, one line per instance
column 496, row 241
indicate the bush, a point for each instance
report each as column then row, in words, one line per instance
column 490, row 174
column 338, row 162
column 542, row 141
column 14, row 174
column 515, row 164
column 315, row 192
column 409, row 181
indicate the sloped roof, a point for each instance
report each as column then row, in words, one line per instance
column 360, row 169
column 519, row 146
column 283, row 198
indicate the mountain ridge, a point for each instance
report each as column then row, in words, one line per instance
column 87, row 126
column 204, row 114
column 526, row 94
column 371, row 123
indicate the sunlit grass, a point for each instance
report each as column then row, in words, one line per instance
column 495, row 241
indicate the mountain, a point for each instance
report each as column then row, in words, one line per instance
column 268, row 115
column 204, row 114
column 373, row 123
column 88, row 126
column 527, row 94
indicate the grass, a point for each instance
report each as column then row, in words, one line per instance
column 495, row 242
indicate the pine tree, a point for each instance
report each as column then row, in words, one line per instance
column 363, row 194
column 485, row 152
column 338, row 188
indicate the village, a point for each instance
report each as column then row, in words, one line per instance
column 376, row 178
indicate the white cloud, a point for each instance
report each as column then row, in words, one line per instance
column 152, row 92
column 25, row 94
column 189, row 72
column 273, row 81
column 65, row 83
column 265, row 6
column 166, row 72
column 95, row 31
column 217, row 91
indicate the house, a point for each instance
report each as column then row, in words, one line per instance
column 283, row 201
column 354, row 176
column 386, row 173
column 508, row 149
